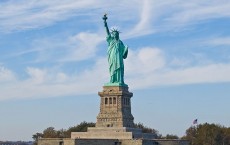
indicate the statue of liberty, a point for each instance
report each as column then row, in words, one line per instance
column 116, row 52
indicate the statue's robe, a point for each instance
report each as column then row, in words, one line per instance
column 116, row 53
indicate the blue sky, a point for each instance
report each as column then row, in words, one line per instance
column 53, row 62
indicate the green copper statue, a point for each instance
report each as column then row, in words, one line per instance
column 116, row 53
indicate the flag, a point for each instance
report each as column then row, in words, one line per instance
column 195, row 121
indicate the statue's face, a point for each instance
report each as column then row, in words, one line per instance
column 116, row 35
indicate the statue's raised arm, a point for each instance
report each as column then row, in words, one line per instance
column 106, row 25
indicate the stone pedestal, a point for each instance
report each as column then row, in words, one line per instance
column 114, row 120
column 115, row 107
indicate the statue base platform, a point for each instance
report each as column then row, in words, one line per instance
column 116, row 84
column 112, row 133
column 79, row 141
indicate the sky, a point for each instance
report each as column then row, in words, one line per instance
column 53, row 62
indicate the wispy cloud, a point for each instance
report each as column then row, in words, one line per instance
column 213, row 73
column 6, row 75
column 23, row 15
column 158, row 16
column 145, row 68
column 77, row 47
column 194, row 12
column 83, row 46
column 156, row 71
column 143, row 26
column 185, row 13
column 218, row 41
column 42, row 83
column 36, row 76
column 144, row 61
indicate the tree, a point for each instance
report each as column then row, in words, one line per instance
column 226, row 139
column 170, row 136
column 62, row 133
column 208, row 134
column 50, row 132
column 191, row 134
column 36, row 136
column 82, row 127
column 146, row 129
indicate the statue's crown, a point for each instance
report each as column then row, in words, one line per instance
column 113, row 30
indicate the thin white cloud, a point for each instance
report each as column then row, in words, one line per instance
column 202, row 11
column 42, row 83
column 37, row 76
column 201, row 74
column 152, row 15
column 192, row 12
column 156, row 71
column 85, row 46
column 146, row 68
column 6, row 75
column 218, row 41
column 143, row 26
column 180, row 62
column 79, row 47
column 157, row 16
column 23, row 15
column 143, row 61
